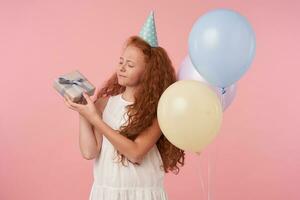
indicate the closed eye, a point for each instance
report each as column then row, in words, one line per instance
column 121, row 63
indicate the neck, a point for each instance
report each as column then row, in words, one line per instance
column 128, row 94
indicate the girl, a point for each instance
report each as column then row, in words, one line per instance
column 121, row 132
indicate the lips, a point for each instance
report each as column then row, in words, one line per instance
column 122, row 76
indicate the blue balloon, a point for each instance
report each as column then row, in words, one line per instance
column 222, row 46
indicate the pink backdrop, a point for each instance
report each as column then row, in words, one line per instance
column 258, row 155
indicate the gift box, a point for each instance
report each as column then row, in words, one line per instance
column 73, row 84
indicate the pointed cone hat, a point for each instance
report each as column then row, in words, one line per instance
column 148, row 31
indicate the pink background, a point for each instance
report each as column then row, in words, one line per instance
column 257, row 151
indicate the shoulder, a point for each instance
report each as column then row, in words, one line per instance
column 101, row 102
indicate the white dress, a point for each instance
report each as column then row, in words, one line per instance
column 112, row 180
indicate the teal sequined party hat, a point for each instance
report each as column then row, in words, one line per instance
column 148, row 31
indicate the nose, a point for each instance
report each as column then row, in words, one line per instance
column 122, row 68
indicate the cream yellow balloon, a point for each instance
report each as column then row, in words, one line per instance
column 189, row 114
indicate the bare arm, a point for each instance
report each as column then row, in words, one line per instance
column 89, row 146
column 90, row 139
column 132, row 150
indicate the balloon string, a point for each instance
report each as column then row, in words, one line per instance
column 212, row 169
column 222, row 96
column 208, row 177
column 201, row 179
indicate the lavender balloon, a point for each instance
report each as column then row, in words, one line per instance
column 187, row 71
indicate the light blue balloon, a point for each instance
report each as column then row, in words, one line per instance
column 222, row 46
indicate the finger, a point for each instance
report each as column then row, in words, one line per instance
column 67, row 103
column 70, row 104
column 87, row 97
column 72, row 108
column 93, row 99
column 74, row 105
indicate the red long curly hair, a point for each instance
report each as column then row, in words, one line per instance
column 159, row 74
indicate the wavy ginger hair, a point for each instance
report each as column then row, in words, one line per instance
column 158, row 75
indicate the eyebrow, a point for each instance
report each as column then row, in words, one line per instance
column 127, row 59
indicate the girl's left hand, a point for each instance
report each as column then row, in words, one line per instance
column 89, row 110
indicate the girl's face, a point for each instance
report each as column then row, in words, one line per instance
column 130, row 67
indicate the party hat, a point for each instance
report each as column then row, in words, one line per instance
column 148, row 31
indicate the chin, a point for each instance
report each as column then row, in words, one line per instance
column 121, row 83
